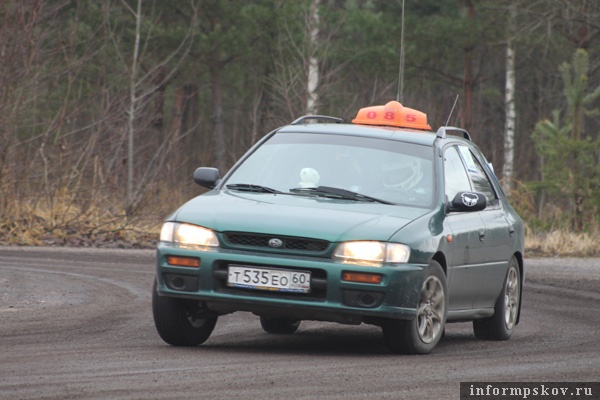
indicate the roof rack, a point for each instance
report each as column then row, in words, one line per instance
column 302, row 120
column 443, row 131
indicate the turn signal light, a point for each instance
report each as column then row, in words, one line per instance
column 361, row 277
column 179, row 261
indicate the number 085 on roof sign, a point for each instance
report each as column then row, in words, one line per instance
column 392, row 114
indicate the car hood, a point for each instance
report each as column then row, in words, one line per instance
column 328, row 219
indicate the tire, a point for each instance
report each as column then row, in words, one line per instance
column 181, row 322
column 421, row 334
column 506, row 311
column 280, row 325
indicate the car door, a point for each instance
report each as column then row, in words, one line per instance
column 495, row 238
column 467, row 251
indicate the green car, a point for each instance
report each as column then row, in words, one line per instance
column 381, row 221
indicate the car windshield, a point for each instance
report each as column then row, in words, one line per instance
column 363, row 169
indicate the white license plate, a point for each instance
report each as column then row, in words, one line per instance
column 268, row 279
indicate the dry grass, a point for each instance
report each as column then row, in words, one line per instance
column 549, row 238
column 562, row 243
column 62, row 223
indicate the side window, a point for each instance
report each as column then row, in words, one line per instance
column 455, row 175
column 480, row 180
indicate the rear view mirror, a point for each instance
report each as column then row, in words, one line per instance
column 468, row 201
column 207, row 177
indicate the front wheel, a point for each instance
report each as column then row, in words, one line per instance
column 422, row 334
column 506, row 311
column 280, row 325
column 181, row 322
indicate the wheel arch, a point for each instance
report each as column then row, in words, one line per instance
column 441, row 259
column 520, row 259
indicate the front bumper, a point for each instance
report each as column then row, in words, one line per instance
column 330, row 298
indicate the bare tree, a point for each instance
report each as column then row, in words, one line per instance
column 302, row 77
column 142, row 88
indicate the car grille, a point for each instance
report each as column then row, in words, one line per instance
column 287, row 243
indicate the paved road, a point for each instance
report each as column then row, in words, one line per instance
column 77, row 324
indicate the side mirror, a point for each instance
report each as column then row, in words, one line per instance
column 468, row 201
column 207, row 177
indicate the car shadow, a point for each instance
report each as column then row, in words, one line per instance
column 326, row 339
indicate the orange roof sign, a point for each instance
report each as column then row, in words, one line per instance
column 392, row 114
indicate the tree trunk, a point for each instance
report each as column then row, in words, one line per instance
column 509, row 101
column 468, row 80
column 313, row 65
column 132, row 109
column 218, row 120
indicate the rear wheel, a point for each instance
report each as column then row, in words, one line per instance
column 181, row 322
column 506, row 311
column 422, row 334
column 280, row 325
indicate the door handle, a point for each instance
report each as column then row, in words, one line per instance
column 511, row 231
column 482, row 235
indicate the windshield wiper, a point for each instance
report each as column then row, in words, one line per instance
column 339, row 193
column 252, row 188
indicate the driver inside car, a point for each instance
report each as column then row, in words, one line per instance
column 404, row 176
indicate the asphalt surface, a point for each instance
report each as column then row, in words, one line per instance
column 77, row 324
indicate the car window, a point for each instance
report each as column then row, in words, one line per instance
column 455, row 176
column 397, row 172
column 480, row 180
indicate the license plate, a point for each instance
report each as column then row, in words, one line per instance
column 268, row 279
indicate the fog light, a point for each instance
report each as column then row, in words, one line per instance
column 356, row 298
column 182, row 283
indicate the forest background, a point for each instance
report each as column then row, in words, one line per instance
column 108, row 106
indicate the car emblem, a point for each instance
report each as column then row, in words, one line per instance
column 275, row 242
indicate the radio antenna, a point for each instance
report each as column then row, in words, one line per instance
column 451, row 111
column 399, row 95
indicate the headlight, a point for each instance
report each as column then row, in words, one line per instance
column 187, row 234
column 372, row 252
